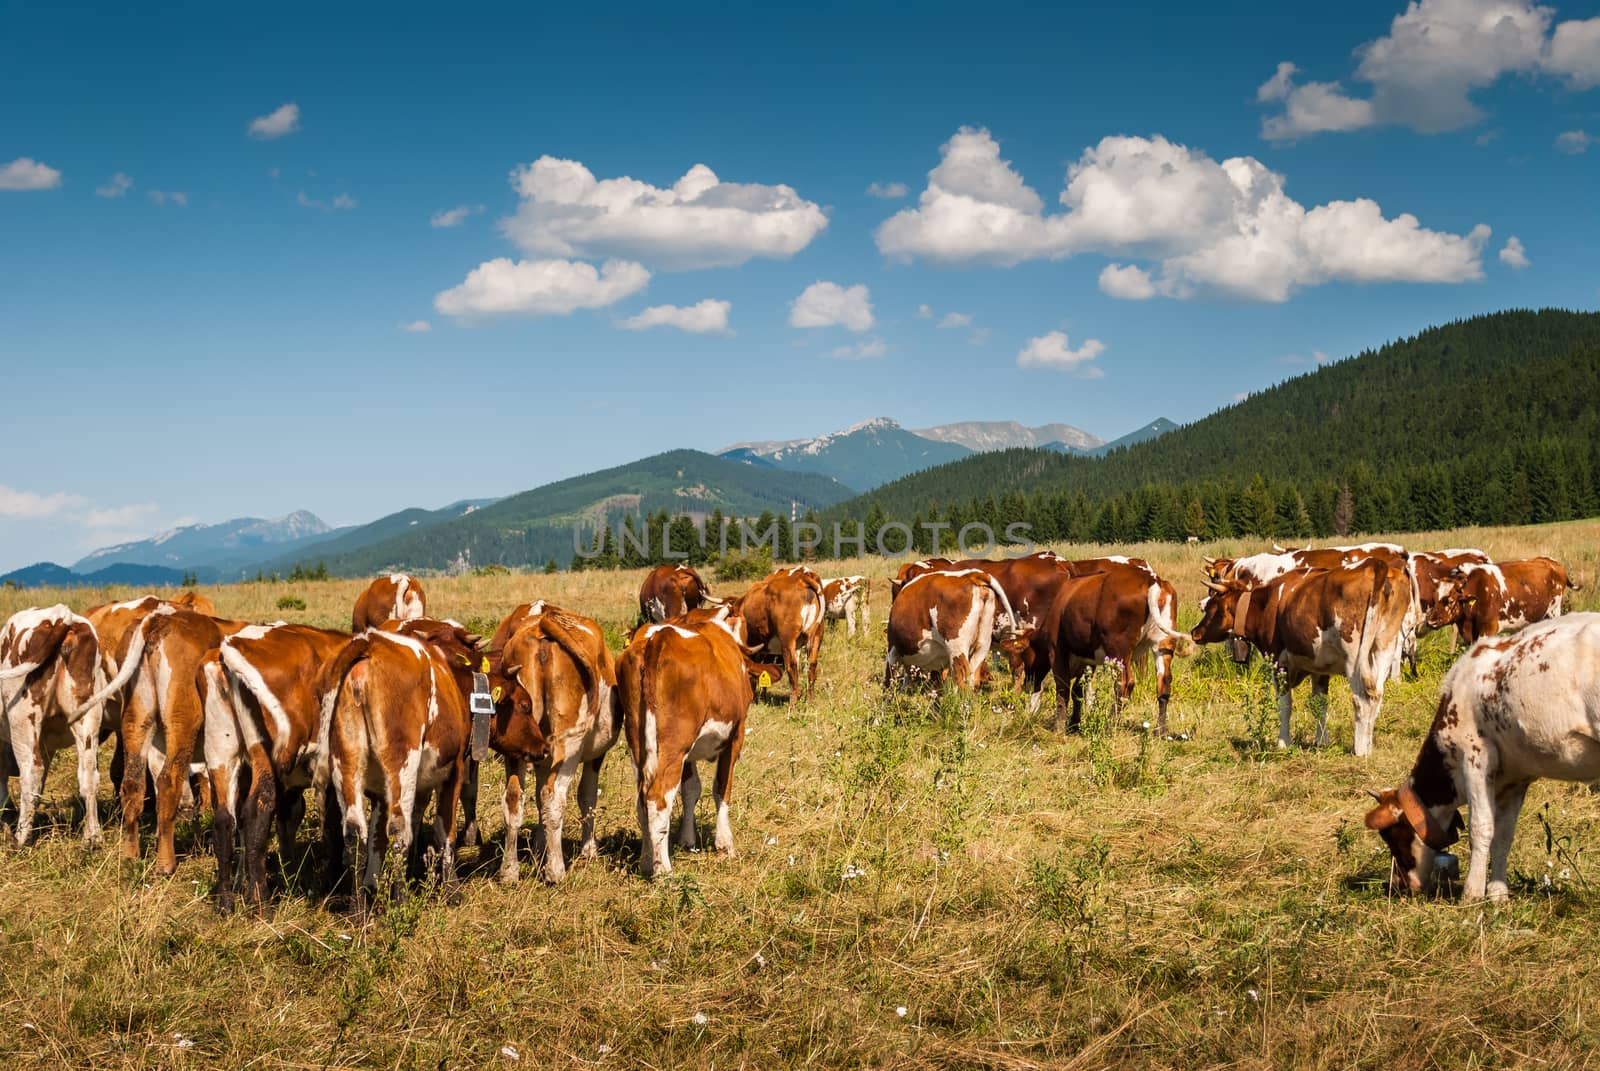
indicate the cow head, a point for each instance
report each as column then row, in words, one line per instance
column 1018, row 649
column 1450, row 608
column 1415, row 835
column 1216, row 568
column 515, row 730
column 1217, row 613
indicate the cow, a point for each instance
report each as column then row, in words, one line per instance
column 397, row 727
column 162, row 718
column 684, row 693
column 1512, row 710
column 1098, row 609
column 1433, row 572
column 561, row 662
column 1485, row 600
column 51, row 665
column 911, row 570
column 396, row 597
column 669, row 590
column 1316, row 623
column 945, row 621
column 846, row 599
column 260, row 690
column 782, row 614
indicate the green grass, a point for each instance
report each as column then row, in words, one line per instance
column 1029, row 900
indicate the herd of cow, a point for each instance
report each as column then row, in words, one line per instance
column 399, row 712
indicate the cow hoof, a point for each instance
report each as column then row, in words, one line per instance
column 590, row 851
column 94, row 842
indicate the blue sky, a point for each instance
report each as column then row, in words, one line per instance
column 1131, row 214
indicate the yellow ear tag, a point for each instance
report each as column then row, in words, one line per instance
column 485, row 668
column 1473, row 601
column 466, row 660
column 496, row 695
column 764, row 681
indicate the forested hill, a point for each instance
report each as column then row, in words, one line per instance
column 1495, row 419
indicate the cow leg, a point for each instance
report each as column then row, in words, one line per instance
column 225, row 788
column 1163, row 687
column 255, row 815
column 403, row 809
column 588, row 792
column 888, row 670
column 444, row 822
column 1368, row 696
column 136, row 733
column 813, row 658
column 86, row 735
column 469, row 835
column 1481, row 825
column 1507, row 806
column 1319, row 690
column 655, row 813
column 25, row 748
column 1285, row 686
column 511, row 808
column 688, row 836
column 170, row 783
column 722, row 789
column 291, row 815
column 554, row 783
column 959, row 670
column 850, row 620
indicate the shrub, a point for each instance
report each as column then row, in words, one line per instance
column 752, row 564
column 291, row 602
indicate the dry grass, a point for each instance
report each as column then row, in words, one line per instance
column 1028, row 900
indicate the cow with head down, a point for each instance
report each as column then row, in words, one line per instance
column 784, row 614
column 846, row 599
column 396, row 597
column 1512, row 710
column 670, row 590
column 943, row 622
column 51, row 667
column 1485, row 600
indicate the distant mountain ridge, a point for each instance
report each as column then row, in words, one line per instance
column 215, row 545
column 861, row 456
column 981, row 436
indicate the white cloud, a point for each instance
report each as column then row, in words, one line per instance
column 343, row 201
column 115, row 186
column 924, row 312
column 25, row 173
column 1573, row 142
column 454, row 217
column 1513, row 255
column 27, row 505
column 177, row 197
column 1423, row 72
column 952, row 320
column 1130, row 283
column 824, row 304
column 540, row 287
column 417, row 327
column 698, row 222
column 139, row 514
column 282, row 120
column 889, row 191
column 1211, row 227
column 1053, row 350
column 865, row 350
column 979, row 336
column 708, row 317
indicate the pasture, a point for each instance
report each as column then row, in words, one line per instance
column 918, row 883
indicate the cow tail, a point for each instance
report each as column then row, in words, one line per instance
column 329, row 687
column 1370, row 617
column 131, row 661
column 649, row 757
column 58, row 635
column 1000, row 593
column 1152, row 597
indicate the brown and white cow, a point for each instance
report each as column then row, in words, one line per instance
column 846, row 599
column 783, row 614
column 163, row 718
column 911, row 570
column 396, row 597
column 561, row 662
column 51, row 665
column 261, row 692
column 398, row 730
column 670, row 590
column 1433, row 571
column 685, row 693
column 1512, row 710
column 944, row 622
column 1485, row 600
column 1316, row 623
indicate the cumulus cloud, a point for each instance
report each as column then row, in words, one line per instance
column 1210, row 227
column 1423, row 72
column 285, row 119
column 1573, row 142
column 454, row 217
column 865, row 350
column 341, row 202
column 698, row 222
column 1054, row 351
column 28, row 505
column 889, row 191
column 141, row 513
column 708, row 317
column 924, row 312
column 417, row 327
column 1513, row 255
column 177, row 197
column 540, row 288
column 116, row 186
column 1131, row 283
column 952, row 320
column 824, row 304
column 26, row 173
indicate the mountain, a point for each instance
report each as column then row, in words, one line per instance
column 530, row 528
column 1153, row 430
column 351, row 540
column 49, row 574
column 213, row 548
column 861, row 456
column 981, row 436
column 1489, row 420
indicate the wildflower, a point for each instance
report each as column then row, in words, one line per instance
column 1146, row 726
column 602, row 1048
column 901, row 1011
column 510, row 1052
column 700, row 1019
column 771, row 841
column 1253, row 995
column 182, row 1042
column 1565, row 874
column 760, row 960
column 345, row 937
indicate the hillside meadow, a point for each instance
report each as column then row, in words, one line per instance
column 920, row 882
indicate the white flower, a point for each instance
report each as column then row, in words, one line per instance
column 761, row 961
column 700, row 1019
column 602, row 1048
column 1146, row 726
column 345, row 937
column 1253, row 995
column 1565, row 874
column 510, row 1052
column 901, row 1011
column 771, row 841
column 182, row 1042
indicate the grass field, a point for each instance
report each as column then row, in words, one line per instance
column 918, row 883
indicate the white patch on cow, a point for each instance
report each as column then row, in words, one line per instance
column 247, row 675
column 712, row 738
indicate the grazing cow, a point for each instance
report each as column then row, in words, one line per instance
column 396, row 597
column 561, row 662
column 911, row 570
column 669, row 590
column 162, row 718
column 263, row 707
column 783, row 614
column 684, row 692
column 846, row 597
column 1512, row 710
column 1485, row 600
column 1434, row 572
column 945, row 621
column 51, row 666
column 398, row 728
column 1315, row 623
